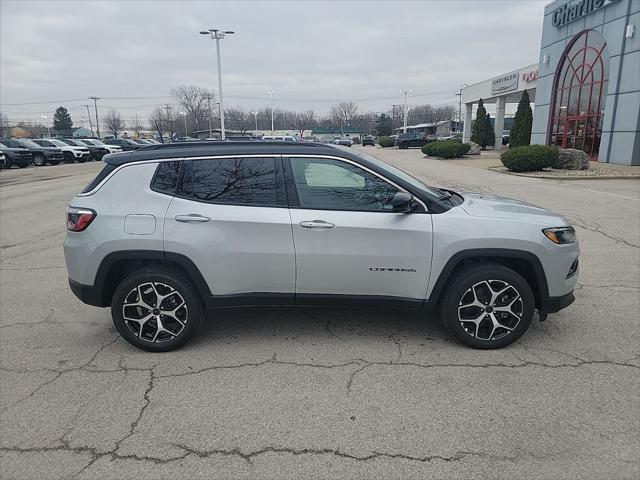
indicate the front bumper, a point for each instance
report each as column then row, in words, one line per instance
column 555, row 304
column 54, row 157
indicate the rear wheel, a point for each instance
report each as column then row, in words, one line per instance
column 156, row 309
column 488, row 306
column 39, row 160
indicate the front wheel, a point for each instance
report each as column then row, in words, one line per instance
column 39, row 160
column 488, row 306
column 68, row 157
column 156, row 309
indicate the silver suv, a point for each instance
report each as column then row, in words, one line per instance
column 167, row 232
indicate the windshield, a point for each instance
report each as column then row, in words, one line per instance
column 59, row 143
column 28, row 143
column 3, row 145
column 397, row 172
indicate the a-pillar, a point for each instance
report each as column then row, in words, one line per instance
column 501, row 104
column 466, row 135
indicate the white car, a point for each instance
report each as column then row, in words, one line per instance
column 279, row 138
column 99, row 143
column 71, row 152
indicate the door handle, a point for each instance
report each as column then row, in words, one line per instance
column 316, row 224
column 192, row 218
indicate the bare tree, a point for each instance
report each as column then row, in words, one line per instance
column 304, row 120
column 136, row 125
column 194, row 101
column 343, row 112
column 113, row 122
column 4, row 125
column 238, row 119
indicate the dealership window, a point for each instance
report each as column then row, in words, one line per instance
column 580, row 90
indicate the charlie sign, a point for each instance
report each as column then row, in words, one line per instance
column 569, row 12
column 504, row 83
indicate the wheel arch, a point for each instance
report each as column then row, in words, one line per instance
column 117, row 265
column 525, row 263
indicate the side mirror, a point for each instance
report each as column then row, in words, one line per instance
column 403, row 202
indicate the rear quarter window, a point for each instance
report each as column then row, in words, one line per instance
column 165, row 179
column 108, row 168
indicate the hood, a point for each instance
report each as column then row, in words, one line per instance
column 479, row 205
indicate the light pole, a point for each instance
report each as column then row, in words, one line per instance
column 186, row 133
column 459, row 94
column 270, row 92
column 255, row 115
column 45, row 121
column 218, row 35
column 405, row 92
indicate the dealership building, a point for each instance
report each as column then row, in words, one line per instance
column 586, row 84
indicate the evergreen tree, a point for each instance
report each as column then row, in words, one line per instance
column 521, row 130
column 481, row 130
column 384, row 125
column 62, row 120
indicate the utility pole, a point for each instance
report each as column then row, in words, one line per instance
column 89, row 116
column 167, row 109
column 95, row 104
column 218, row 35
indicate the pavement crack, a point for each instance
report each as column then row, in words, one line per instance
column 595, row 227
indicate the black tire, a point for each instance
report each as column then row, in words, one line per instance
column 82, row 160
column 68, row 157
column 164, row 279
column 39, row 160
column 492, row 278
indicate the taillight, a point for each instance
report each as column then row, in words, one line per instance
column 78, row 219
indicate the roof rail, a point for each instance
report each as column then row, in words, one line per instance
column 209, row 143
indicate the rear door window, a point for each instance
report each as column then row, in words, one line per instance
column 231, row 181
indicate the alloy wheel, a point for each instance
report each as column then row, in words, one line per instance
column 38, row 160
column 490, row 309
column 155, row 312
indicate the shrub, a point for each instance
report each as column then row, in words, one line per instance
column 521, row 130
column 386, row 142
column 446, row 149
column 530, row 158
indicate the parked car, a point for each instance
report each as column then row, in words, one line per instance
column 365, row 233
column 41, row 155
column 126, row 144
column 76, row 142
column 102, row 148
column 15, row 154
column 71, row 152
column 406, row 140
column 368, row 140
column 141, row 141
column 279, row 138
column 153, row 141
column 346, row 141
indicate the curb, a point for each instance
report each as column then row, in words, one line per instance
column 556, row 177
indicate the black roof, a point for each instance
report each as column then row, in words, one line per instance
column 209, row 148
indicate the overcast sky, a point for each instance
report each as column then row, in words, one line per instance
column 311, row 54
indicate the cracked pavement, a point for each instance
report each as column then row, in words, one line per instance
column 320, row 393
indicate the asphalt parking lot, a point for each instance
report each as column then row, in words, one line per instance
column 321, row 393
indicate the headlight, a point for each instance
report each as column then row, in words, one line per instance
column 560, row 235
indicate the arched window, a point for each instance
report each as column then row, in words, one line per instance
column 580, row 90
